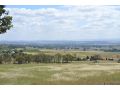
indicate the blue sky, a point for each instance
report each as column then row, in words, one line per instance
column 54, row 22
column 33, row 6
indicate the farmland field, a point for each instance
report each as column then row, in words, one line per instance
column 70, row 74
column 73, row 52
column 34, row 66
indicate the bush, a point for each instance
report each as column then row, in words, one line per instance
column 119, row 61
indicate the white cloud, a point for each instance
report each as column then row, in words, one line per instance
column 65, row 23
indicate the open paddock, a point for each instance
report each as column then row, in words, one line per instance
column 69, row 74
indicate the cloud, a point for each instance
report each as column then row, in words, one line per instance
column 65, row 23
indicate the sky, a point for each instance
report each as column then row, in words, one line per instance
column 59, row 22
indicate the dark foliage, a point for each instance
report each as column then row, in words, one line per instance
column 5, row 20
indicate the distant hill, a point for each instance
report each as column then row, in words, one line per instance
column 61, row 42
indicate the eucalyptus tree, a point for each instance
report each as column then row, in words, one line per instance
column 58, row 58
column 68, row 58
column 5, row 20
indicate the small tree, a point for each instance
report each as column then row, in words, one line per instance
column 19, row 60
column 58, row 58
column 87, row 58
column 118, row 61
column 67, row 58
column 1, row 59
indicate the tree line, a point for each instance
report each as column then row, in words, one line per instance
column 19, row 57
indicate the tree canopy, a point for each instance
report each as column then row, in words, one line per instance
column 5, row 20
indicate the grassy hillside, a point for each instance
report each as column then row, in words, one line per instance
column 71, row 73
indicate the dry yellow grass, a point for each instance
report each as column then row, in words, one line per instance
column 72, row 73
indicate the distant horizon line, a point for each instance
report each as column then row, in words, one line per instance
column 57, row 40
